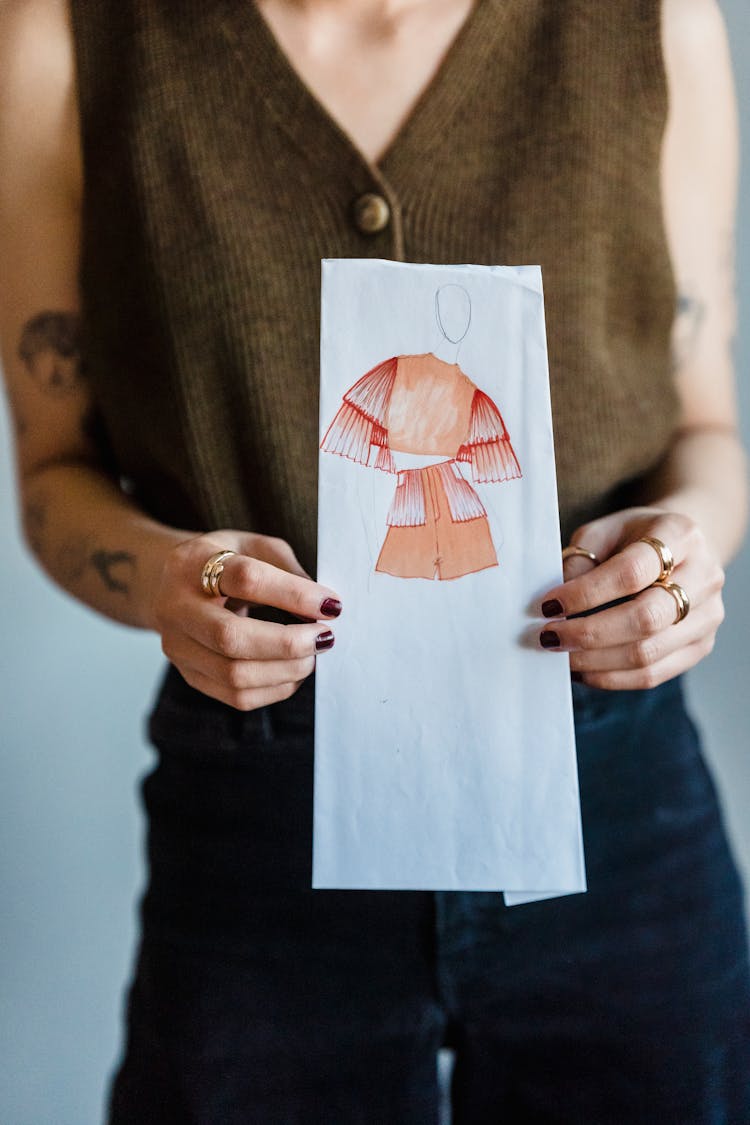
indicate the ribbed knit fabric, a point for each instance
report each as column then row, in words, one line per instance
column 215, row 182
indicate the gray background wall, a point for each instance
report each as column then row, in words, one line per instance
column 73, row 690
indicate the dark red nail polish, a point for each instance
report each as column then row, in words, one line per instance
column 324, row 641
column 552, row 608
column 576, row 677
column 330, row 607
column 549, row 639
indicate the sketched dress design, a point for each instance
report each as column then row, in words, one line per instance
column 419, row 404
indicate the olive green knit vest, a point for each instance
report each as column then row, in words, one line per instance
column 215, row 182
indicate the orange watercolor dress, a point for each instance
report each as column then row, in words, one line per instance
column 419, row 404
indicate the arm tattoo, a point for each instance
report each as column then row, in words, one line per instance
column 50, row 348
column 115, row 569
column 689, row 317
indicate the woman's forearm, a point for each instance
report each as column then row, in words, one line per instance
column 94, row 541
column 704, row 477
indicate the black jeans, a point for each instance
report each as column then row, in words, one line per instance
column 259, row 1000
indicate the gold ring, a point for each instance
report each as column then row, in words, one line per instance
column 212, row 571
column 682, row 601
column 569, row 552
column 666, row 558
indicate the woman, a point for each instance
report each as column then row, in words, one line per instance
column 171, row 176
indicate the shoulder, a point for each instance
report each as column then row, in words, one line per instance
column 693, row 32
column 38, row 108
column 700, row 163
column 40, row 29
column 697, row 60
column 692, row 19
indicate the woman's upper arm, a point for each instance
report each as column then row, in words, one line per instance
column 40, row 191
column 699, row 191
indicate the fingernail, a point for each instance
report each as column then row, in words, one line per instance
column 330, row 607
column 549, row 639
column 324, row 641
column 576, row 677
column 552, row 608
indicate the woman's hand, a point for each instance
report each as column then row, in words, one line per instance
column 238, row 659
column 635, row 644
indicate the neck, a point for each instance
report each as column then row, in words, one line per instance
column 446, row 350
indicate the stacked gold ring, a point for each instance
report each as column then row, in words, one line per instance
column 666, row 558
column 666, row 562
column 575, row 551
column 682, row 601
column 211, row 574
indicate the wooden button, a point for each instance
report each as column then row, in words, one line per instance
column 371, row 213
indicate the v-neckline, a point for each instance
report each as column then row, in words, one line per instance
column 304, row 117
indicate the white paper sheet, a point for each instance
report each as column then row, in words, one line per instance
column 444, row 744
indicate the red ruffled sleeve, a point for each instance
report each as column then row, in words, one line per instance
column 360, row 424
column 488, row 445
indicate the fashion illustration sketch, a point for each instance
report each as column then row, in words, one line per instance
column 423, row 405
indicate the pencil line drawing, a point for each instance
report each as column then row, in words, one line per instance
column 421, row 404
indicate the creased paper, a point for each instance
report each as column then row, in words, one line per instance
column 444, row 744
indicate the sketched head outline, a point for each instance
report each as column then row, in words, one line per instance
column 453, row 311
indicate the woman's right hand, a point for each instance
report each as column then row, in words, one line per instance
column 220, row 650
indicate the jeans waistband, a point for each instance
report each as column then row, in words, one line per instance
column 182, row 714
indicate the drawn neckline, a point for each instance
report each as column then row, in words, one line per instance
column 292, row 101
column 437, row 357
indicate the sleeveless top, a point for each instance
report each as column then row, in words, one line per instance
column 214, row 183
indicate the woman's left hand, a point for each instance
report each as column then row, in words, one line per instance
column 635, row 644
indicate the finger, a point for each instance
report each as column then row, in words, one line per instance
column 642, row 617
column 624, row 574
column 608, row 534
column 576, row 565
column 643, row 678
column 650, row 650
column 183, row 651
column 249, row 638
column 627, row 573
column 270, row 549
column 242, row 700
column 253, row 580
